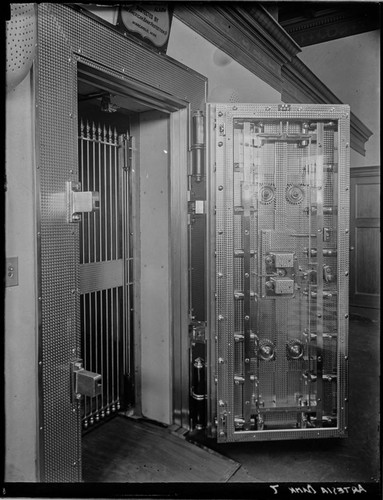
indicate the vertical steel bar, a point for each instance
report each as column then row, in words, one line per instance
column 117, row 225
column 122, row 178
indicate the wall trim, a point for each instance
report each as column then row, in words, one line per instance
column 252, row 37
column 370, row 171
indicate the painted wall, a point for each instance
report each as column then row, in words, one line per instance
column 228, row 80
column 20, row 317
column 350, row 67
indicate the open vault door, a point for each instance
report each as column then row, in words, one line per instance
column 279, row 270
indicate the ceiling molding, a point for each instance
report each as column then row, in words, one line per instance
column 300, row 85
column 318, row 22
column 251, row 36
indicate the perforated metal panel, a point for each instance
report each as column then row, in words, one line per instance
column 65, row 38
column 281, row 270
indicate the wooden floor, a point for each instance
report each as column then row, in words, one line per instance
column 131, row 451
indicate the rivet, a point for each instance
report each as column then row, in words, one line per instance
column 347, row 145
column 220, row 144
column 220, row 275
column 247, row 318
column 220, row 113
column 221, row 434
column 220, row 231
column 220, row 360
column 220, row 188
column 346, row 358
column 346, row 231
column 235, row 107
column 220, row 317
column 319, row 315
column 346, row 316
column 221, row 403
column 346, row 273
column 247, row 275
column 247, row 360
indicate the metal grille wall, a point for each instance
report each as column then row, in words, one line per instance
column 66, row 37
column 106, row 268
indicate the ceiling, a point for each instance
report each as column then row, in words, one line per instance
column 309, row 23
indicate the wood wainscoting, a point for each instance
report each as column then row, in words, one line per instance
column 365, row 241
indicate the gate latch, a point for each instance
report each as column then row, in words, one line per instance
column 84, row 382
column 80, row 201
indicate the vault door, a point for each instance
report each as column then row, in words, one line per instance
column 106, row 268
column 281, row 271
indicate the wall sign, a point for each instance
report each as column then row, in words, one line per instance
column 149, row 22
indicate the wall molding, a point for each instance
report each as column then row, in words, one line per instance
column 253, row 38
column 370, row 171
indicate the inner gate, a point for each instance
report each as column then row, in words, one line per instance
column 106, row 265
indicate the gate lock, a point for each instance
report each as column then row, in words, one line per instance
column 84, row 382
column 80, row 201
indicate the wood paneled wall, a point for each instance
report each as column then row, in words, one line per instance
column 365, row 237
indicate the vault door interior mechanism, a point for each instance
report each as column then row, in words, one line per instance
column 281, row 246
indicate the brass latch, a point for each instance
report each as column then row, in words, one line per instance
column 84, row 382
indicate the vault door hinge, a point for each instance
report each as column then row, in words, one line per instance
column 198, row 146
column 125, row 151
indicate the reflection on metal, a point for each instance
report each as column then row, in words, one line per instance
column 281, row 270
column 106, row 267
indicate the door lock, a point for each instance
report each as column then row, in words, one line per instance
column 80, row 201
column 84, row 382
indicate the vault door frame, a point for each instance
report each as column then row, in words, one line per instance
column 67, row 38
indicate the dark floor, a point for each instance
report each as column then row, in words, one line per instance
column 353, row 459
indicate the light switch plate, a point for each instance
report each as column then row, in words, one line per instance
column 11, row 271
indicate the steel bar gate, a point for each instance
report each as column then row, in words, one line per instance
column 106, row 269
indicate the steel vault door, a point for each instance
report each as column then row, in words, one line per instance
column 106, row 268
column 279, row 236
